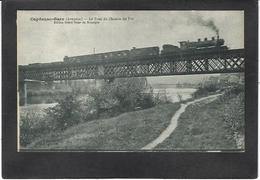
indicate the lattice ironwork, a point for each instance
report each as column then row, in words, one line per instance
column 229, row 61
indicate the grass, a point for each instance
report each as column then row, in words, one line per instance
column 33, row 122
column 203, row 127
column 128, row 131
column 216, row 125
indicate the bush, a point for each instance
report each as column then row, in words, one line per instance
column 234, row 117
column 128, row 92
column 66, row 113
column 122, row 95
column 200, row 92
column 206, row 89
column 32, row 126
column 146, row 101
column 109, row 100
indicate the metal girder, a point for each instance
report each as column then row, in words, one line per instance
column 203, row 63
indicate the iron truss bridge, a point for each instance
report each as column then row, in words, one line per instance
column 201, row 63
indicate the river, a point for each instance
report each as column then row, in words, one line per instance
column 174, row 94
column 171, row 93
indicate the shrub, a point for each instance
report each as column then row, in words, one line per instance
column 234, row 116
column 66, row 113
column 146, row 101
column 33, row 125
column 122, row 95
column 110, row 99
column 128, row 92
column 206, row 89
column 200, row 92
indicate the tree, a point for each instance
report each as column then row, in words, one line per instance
column 125, row 94
column 67, row 112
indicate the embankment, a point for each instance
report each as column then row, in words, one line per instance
column 217, row 125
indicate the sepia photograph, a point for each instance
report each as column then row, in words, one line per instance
column 157, row 80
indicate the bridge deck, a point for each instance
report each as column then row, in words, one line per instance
column 202, row 63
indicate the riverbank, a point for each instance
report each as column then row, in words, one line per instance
column 174, row 121
column 209, row 126
column 128, row 131
column 174, row 94
column 201, row 126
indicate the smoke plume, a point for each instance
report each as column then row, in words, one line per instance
column 207, row 23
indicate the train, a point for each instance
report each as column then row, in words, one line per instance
column 195, row 47
column 146, row 53
column 135, row 53
column 52, row 64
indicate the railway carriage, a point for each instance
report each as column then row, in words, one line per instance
column 147, row 53
column 142, row 53
column 115, row 55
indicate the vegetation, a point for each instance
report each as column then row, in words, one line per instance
column 131, row 130
column 234, row 113
column 222, row 83
column 205, row 91
column 47, row 92
column 111, row 99
column 211, row 126
column 66, row 113
column 124, row 114
column 123, row 95
column 33, row 124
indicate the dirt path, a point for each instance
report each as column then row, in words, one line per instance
column 174, row 121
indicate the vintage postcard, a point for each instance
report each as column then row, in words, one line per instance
column 131, row 80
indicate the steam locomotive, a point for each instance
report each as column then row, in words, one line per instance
column 186, row 47
column 195, row 47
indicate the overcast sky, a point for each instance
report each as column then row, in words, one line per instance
column 44, row 41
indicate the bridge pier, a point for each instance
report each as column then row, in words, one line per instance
column 29, row 83
column 22, row 90
column 25, row 93
column 99, row 83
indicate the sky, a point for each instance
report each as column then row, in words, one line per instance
column 43, row 41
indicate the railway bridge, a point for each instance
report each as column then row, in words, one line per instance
column 229, row 61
